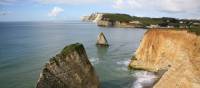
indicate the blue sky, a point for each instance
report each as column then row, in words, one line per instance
column 44, row 10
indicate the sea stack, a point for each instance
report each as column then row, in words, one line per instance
column 69, row 69
column 101, row 40
column 176, row 52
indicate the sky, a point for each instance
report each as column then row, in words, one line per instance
column 45, row 10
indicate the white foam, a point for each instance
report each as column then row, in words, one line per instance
column 143, row 78
column 94, row 60
column 123, row 65
column 125, row 62
column 122, row 68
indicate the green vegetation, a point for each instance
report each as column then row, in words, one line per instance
column 195, row 29
column 133, row 58
column 117, row 17
column 164, row 22
column 66, row 51
column 146, row 21
column 70, row 48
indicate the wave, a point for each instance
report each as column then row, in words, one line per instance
column 143, row 79
column 123, row 65
column 94, row 60
column 125, row 62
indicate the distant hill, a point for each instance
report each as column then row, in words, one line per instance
column 125, row 20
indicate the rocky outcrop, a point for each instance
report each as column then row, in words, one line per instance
column 112, row 20
column 69, row 69
column 101, row 40
column 175, row 51
column 103, row 23
column 95, row 17
column 98, row 17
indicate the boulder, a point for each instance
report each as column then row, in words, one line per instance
column 101, row 40
column 69, row 69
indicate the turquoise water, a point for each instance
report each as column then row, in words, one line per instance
column 26, row 46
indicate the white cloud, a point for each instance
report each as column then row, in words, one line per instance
column 180, row 5
column 3, row 13
column 55, row 11
column 67, row 1
column 6, row 2
column 131, row 4
column 162, row 5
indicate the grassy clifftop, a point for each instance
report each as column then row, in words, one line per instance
column 70, row 48
column 163, row 22
column 117, row 17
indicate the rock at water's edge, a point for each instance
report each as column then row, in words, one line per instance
column 175, row 51
column 69, row 69
column 101, row 40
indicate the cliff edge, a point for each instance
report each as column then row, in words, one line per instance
column 69, row 69
column 177, row 52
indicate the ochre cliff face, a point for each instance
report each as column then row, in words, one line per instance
column 178, row 52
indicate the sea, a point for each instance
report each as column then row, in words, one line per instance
column 25, row 47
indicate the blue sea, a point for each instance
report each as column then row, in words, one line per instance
column 25, row 47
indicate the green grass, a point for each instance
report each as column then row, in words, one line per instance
column 118, row 17
column 146, row 21
column 195, row 29
column 66, row 51
column 70, row 48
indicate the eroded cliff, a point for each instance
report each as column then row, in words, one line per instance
column 175, row 51
column 69, row 69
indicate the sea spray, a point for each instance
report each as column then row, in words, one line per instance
column 123, row 64
column 144, row 79
column 94, row 60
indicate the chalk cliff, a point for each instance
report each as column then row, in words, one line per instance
column 95, row 17
column 69, row 69
column 177, row 52
column 112, row 20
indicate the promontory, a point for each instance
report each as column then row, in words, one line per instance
column 176, row 52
